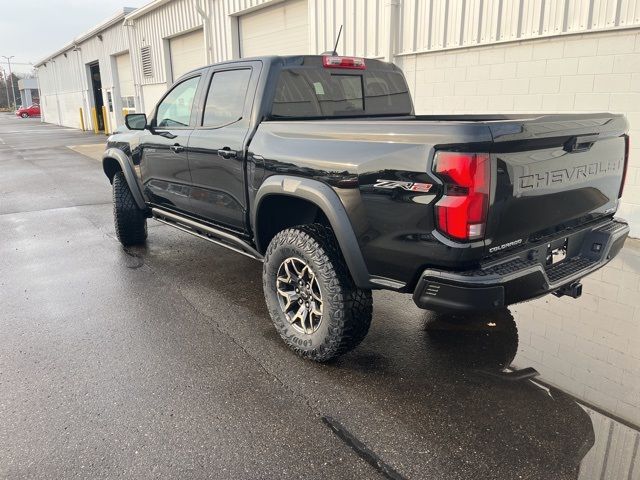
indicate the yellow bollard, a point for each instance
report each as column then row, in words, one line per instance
column 105, row 120
column 94, row 117
column 81, row 120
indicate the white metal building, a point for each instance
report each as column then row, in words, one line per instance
column 459, row 56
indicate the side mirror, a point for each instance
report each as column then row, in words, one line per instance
column 136, row 121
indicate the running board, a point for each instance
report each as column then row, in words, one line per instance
column 213, row 235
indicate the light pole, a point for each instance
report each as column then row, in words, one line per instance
column 13, row 93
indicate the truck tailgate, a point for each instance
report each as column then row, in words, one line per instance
column 553, row 172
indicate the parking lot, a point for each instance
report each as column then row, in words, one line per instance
column 162, row 362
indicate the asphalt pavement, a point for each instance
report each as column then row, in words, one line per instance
column 162, row 362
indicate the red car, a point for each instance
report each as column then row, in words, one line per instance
column 32, row 111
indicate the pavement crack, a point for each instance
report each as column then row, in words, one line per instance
column 361, row 449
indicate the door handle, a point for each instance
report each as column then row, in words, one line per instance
column 226, row 152
column 177, row 148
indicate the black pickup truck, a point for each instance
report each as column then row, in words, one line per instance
column 318, row 167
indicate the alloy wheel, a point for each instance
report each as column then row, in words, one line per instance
column 299, row 295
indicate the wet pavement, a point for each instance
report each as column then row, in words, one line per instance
column 162, row 362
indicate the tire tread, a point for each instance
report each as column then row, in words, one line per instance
column 130, row 221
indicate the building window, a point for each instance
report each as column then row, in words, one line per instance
column 128, row 102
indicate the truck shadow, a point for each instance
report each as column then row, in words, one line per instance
column 424, row 390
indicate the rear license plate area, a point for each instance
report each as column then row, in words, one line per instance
column 557, row 251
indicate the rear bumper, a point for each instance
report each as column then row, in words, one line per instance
column 522, row 276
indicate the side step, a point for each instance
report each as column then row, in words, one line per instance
column 214, row 235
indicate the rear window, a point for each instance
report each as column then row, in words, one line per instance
column 328, row 92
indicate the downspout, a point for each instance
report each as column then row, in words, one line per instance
column 392, row 25
column 207, row 30
column 133, row 56
column 83, row 84
column 55, row 84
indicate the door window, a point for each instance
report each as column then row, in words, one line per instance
column 225, row 99
column 175, row 108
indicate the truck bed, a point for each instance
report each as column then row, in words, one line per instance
column 549, row 173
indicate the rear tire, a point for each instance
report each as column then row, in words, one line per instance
column 327, row 287
column 130, row 221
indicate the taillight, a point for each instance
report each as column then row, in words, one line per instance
column 627, row 147
column 462, row 211
column 353, row 63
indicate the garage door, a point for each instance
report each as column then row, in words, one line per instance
column 187, row 52
column 125, row 80
column 279, row 30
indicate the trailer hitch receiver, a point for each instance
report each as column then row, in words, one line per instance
column 573, row 290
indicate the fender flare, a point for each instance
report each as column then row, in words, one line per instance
column 129, row 173
column 325, row 198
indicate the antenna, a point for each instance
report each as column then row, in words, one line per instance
column 337, row 40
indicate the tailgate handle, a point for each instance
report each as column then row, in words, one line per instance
column 580, row 144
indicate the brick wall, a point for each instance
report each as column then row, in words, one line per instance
column 589, row 347
column 577, row 73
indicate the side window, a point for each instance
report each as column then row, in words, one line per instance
column 175, row 108
column 225, row 99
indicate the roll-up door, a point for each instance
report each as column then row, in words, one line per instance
column 282, row 29
column 187, row 52
column 125, row 81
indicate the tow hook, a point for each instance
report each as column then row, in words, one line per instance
column 573, row 290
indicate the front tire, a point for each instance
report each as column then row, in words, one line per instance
column 130, row 221
column 25, row 115
column 315, row 306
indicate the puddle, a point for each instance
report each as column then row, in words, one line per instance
column 608, row 448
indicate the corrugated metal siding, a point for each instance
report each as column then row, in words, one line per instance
column 371, row 28
column 361, row 20
column 428, row 25
column 114, row 41
column 64, row 82
column 171, row 19
column 180, row 16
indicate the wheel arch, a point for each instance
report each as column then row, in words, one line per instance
column 114, row 161
column 325, row 199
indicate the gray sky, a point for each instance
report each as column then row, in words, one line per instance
column 32, row 30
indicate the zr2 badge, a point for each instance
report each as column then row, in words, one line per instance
column 408, row 186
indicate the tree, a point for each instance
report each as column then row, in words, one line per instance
column 4, row 103
column 16, row 90
column 5, row 88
